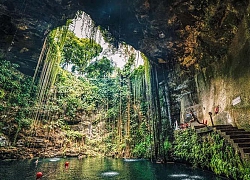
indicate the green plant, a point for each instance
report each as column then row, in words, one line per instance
column 210, row 151
column 142, row 149
column 167, row 145
column 2, row 93
column 79, row 52
column 74, row 135
column 26, row 122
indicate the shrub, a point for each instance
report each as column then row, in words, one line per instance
column 210, row 151
column 2, row 93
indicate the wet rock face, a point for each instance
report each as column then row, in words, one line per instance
column 24, row 25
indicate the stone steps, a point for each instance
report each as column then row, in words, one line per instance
column 224, row 127
column 246, row 150
column 231, row 130
column 236, row 136
column 227, row 129
column 242, row 145
column 239, row 138
column 200, row 126
column 236, row 132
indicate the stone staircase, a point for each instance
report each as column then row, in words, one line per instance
column 238, row 138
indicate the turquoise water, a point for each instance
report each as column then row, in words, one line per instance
column 99, row 168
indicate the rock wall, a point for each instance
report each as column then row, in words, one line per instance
column 25, row 24
column 49, row 139
column 226, row 83
column 183, row 31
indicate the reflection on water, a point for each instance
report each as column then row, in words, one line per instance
column 98, row 169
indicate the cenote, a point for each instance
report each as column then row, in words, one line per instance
column 99, row 168
column 152, row 79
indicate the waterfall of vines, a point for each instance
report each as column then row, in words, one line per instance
column 95, row 108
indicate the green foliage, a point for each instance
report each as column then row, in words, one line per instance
column 74, row 135
column 16, row 88
column 97, row 95
column 79, row 52
column 17, row 92
column 101, row 95
column 26, row 122
column 143, row 149
column 147, row 68
column 73, row 93
column 128, row 67
column 110, row 148
column 1, row 127
column 245, row 170
column 108, row 37
column 210, row 151
column 57, row 40
column 167, row 145
column 21, row 119
column 100, row 68
column 2, row 93
column 70, row 98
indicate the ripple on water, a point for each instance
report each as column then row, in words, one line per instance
column 110, row 173
column 178, row 175
column 196, row 177
column 186, row 176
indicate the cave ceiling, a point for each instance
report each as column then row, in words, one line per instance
column 168, row 32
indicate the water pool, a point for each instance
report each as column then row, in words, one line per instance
column 99, row 168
